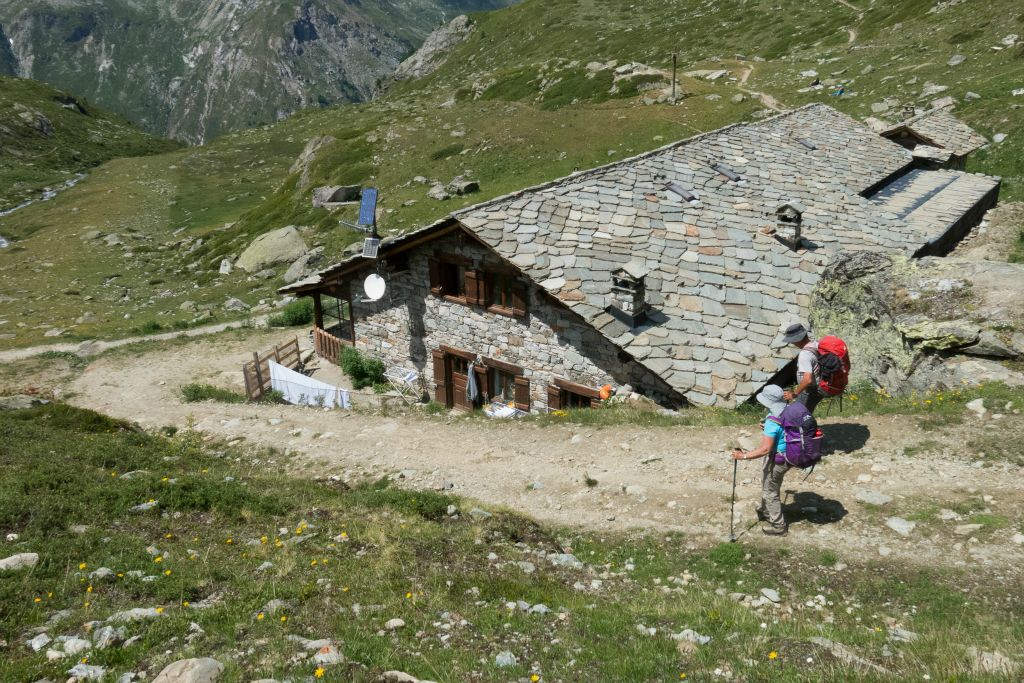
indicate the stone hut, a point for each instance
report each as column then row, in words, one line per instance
column 661, row 274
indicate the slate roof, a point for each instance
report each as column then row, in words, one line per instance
column 933, row 200
column 720, row 286
column 943, row 130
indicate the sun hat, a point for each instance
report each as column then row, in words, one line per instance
column 794, row 333
column 771, row 397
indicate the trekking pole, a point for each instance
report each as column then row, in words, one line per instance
column 732, row 504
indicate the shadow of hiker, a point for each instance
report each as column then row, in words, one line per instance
column 807, row 506
column 843, row 437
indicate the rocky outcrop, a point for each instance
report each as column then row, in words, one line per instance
column 434, row 51
column 927, row 323
column 305, row 161
column 201, row 670
column 284, row 245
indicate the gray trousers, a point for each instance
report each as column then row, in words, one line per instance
column 771, row 487
column 810, row 397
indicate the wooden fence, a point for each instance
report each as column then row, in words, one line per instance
column 257, row 371
column 327, row 345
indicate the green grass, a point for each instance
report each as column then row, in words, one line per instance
column 194, row 393
column 299, row 312
column 220, row 516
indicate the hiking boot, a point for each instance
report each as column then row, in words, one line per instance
column 775, row 530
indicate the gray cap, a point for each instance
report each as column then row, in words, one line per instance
column 794, row 333
column 771, row 397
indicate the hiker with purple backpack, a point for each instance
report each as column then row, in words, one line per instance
column 790, row 439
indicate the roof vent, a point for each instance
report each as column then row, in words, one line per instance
column 807, row 143
column 629, row 294
column 726, row 171
column 788, row 223
column 685, row 194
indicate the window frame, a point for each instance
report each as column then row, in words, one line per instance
column 515, row 306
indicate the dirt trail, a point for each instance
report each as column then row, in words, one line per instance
column 766, row 99
column 98, row 346
column 673, row 478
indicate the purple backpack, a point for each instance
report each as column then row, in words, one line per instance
column 801, row 435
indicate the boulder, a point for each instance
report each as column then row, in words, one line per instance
column 20, row 402
column 20, row 561
column 438, row 192
column 940, row 335
column 303, row 266
column 336, row 194
column 202, row 670
column 236, row 305
column 461, row 186
column 283, row 245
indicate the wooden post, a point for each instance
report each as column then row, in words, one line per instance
column 675, row 56
column 259, row 374
column 318, row 311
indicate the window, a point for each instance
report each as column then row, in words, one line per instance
column 453, row 279
column 503, row 386
column 564, row 395
column 572, row 400
column 505, row 294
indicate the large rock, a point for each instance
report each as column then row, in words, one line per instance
column 203, row 670
column 919, row 324
column 284, row 245
column 20, row 561
column 20, row 402
column 434, row 51
column 334, row 194
column 303, row 266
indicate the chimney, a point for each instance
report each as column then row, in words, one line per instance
column 629, row 294
column 909, row 112
column 788, row 223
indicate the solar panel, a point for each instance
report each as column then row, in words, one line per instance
column 807, row 143
column 687, row 195
column 726, row 171
column 368, row 207
column 371, row 245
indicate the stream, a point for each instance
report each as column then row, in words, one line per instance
column 47, row 195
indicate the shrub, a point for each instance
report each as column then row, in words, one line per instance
column 363, row 371
column 296, row 313
column 193, row 393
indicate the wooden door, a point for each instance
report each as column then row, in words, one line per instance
column 459, row 373
column 442, row 384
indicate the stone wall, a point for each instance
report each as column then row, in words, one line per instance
column 549, row 342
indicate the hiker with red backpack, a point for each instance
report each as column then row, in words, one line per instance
column 791, row 438
column 822, row 367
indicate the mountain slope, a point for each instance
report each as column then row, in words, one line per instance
column 193, row 69
column 46, row 136
column 8, row 62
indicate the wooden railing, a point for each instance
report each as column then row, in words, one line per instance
column 327, row 345
column 257, row 371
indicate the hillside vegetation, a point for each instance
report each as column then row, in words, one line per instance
column 150, row 549
column 46, row 136
column 538, row 89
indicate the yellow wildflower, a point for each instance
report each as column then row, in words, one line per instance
column 86, row 603
column 534, row 678
column 167, row 572
column 230, row 541
column 263, row 540
column 773, row 655
column 185, row 603
column 158, row 559
column 312, row 563
column 82, row 565
column 38, row 600
column 89, row 589
column 159, row 610
column 259, row 617
column 319, row 673
column 283, row 618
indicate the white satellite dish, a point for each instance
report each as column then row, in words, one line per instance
column 374, row 287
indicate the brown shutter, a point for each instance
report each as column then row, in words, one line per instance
column 440, row 389
column 523, row 394
column 474, row 288
column 554, row 397
column 483, row 388
column 435, row 277
column 595, row 402
column 518, row 299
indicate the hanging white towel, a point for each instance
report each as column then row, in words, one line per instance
column 299, row 389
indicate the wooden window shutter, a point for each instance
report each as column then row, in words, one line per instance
column 523, row 394
column 440, row 390
column 595, row 402
column 554, row 397
column 482, row 386
column 475, row 288
column 435, row 277
column 519, row 299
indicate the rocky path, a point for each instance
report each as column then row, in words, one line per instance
column 673, row 478
column 766, row 99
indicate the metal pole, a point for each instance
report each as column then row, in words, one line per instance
column 732, row 505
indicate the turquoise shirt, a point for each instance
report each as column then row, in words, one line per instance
column 775, row 430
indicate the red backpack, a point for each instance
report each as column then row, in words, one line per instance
column 833, row 366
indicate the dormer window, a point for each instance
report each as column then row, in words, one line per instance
column 629, row 294
column 789, row 223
